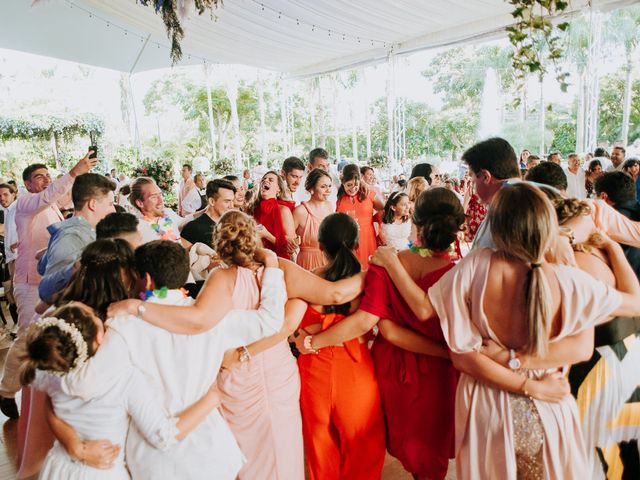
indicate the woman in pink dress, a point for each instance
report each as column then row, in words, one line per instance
column 358, row 202
column 506, row 432
column 308, row 216
column 261, row 390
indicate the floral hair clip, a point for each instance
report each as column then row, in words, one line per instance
column 82, row 350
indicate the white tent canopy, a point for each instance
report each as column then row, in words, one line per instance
column 302, row 37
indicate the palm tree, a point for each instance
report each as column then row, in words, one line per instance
column 623, row 28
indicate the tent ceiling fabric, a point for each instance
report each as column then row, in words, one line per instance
column 91, row 31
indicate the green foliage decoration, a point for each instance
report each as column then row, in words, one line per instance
column 535, row 41
column 171, row 19
column 43, row 127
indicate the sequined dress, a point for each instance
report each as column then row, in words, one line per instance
column 498, row 434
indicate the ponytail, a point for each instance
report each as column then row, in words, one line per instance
column 538, row 312
column 338, row 236
column 526, row 237
column 345, row 264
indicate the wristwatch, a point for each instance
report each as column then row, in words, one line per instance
column 141, row 309
column 514, row 361
column 306, row 343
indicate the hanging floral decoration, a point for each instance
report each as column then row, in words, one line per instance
column 160, row 170
column 536, row 42
column 172, row 12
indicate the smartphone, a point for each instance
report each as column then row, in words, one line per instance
column 95, row 151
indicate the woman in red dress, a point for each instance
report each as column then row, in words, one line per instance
column 361, row 204
column 417, row 380
column 273, row 215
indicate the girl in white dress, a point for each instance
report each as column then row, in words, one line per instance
column 61, row 343
column 396, row 227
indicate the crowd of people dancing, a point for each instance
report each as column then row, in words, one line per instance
column 305, row 322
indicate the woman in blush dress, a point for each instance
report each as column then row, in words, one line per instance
column 508, row 432
column 361, row 204
column 308, row 216
column 260, row 385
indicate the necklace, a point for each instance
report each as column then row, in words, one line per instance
column 426, row 252
column 163, row 227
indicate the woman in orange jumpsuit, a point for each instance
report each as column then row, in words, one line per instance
column 342, row 419
column 361, row 204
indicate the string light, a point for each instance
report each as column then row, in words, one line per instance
column 331, row 33
column 126, row 32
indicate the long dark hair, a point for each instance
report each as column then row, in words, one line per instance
column 338, row 235
column 389, row 215
column 351, row 172
column 106, row 275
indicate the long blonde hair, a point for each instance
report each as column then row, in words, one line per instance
column 524, row 225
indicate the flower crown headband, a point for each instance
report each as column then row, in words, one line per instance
column 82, row 351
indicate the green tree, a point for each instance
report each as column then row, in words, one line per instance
column 612, row 91
column 459, row 73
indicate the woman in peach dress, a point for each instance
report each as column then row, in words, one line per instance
column 358, row 202
column 308, row 216
column 260, row 391
column 501, row 434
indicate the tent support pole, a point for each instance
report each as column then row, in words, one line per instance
column 133, row 102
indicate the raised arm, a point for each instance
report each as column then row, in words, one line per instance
column 415, row 297
column 39, row 201
column 315, row 290
column 212, row 305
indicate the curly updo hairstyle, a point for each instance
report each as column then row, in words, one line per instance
column 235, row 239
column 51, row 348
column 438, row 217
column 566, row 208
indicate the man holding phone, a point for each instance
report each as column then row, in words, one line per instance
column 35, row 211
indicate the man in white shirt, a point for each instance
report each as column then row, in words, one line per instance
column 617, row 159
column 177, row 363
column 186, row 185
column 259, row 170
column 575, row 178
column 318, row 158
column 192, row 201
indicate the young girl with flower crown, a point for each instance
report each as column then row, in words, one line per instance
column 61, row 343
column 396, row 227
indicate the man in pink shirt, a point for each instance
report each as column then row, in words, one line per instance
column 35, row 211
